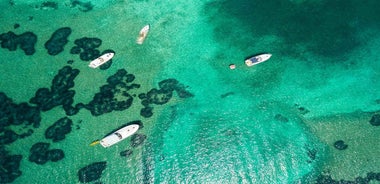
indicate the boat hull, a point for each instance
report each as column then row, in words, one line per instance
column 257, row 59
column 101, row 60
column 142, row 35
column 119, row 135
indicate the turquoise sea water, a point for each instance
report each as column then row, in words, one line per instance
column 276, row 122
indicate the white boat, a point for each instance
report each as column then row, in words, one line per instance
column 119, row 135
column 257, row 59
column 142, row 35
column 101, row 60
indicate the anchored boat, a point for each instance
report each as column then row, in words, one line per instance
column 118, row 135
column 257, row 59
column 101, row 60
column 142, row 35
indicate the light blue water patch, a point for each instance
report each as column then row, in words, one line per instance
column 238, row 144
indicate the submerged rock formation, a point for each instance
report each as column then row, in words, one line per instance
column 162, row 96
column 9, row 165
column 16, row 115
column 327, row 179
column 82, row 6
column 58, row 40
column 126, row 153
column 340, row 145
column 25, row 41
column 40, row 153
column 59, row 129
column 375, row 120
column 86, row 48
column 137, row 139
column 91, row 172
column 59, row 93
column 113, row 96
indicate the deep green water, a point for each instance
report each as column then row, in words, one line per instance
column 272, row 123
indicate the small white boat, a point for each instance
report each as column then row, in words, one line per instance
column 257, row 59
column 142, row 35
column 119, row 135
column 101, row 60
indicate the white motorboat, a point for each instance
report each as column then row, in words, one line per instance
column 142, row 35
column 101, row 60
column 119, row 135
column 257, row 59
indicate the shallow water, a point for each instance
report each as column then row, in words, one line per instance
column 276, row 122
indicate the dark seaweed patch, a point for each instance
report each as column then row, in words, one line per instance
column 91, row 172
column 25, row 41
column 59, row 93
column 58, row 40
column 59, row 129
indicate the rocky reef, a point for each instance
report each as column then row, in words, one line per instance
column 59, row 92
column 91, row 172
column 113, row 96
column 162, row 95
column 40, row 153
column 58, row 40
column 26, row 41
column 59, row 129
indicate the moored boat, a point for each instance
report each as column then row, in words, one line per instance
column 101, row 60
column 142, row 35
column 257, row 59
column 119, row 135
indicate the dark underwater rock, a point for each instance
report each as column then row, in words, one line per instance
column 26, row 134
column 59, row 129
column 49, row 5
column 159, row 97
column 88, row 43
column 26, row 41
column 281, row 118
column 86, row 48
column 113, row 96
column 169, row 85
column 82, row 6
column 16, row 25
column 59, row 93
column 182, row 92
column 40, row 153
column 89, row 55
column 16, row 114
column 23, row 112
column 75, row 50
column 137, row 139
column 311, row 153
column 58, row 40
column 146, row 112
column 226, row 94
column 327, row 179
column 126, row 153
column 340, row 145
column 55, row 155
column 8, row 137
column 91, row 172
column 9, row 165
column 375, row 120
column 162, row 95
